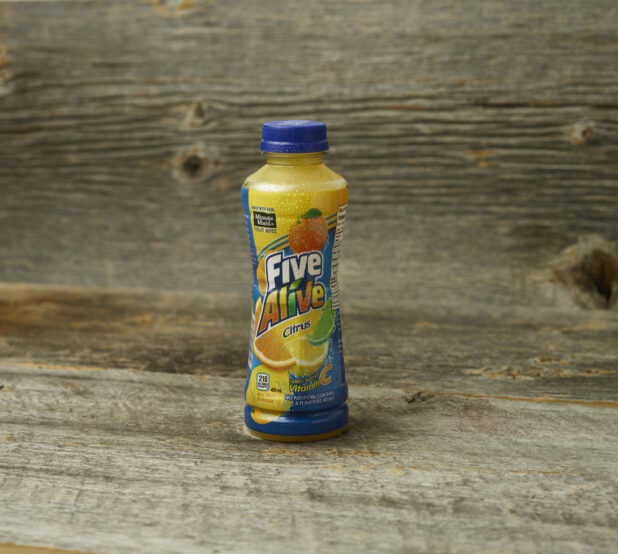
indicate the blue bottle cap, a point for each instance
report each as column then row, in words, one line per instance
column 294, row 136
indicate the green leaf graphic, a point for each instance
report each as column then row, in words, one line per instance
column 310, row 214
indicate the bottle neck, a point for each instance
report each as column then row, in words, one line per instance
column 309, row 158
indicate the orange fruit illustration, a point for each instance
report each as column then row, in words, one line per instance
column 309, row 232
column 271, row 351
column 260, row 275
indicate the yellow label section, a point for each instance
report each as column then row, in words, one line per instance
column 276, row 218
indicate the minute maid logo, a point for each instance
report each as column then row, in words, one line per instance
column 284, row 297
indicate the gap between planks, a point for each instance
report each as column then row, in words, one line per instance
column 537, row 399
column 543, row 399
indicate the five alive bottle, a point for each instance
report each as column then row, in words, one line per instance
column 295, row 211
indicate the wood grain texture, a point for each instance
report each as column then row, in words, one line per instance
column 480, row 140
column 118, row 461
column 479, row 274
column 515, row 352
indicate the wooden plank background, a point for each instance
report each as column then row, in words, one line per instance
column 480, row 139
column 479, row 274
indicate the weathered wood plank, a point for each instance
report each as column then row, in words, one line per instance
column 118, row 461
column 480, row 141
column 516, row 352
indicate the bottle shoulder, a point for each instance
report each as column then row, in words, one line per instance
column 283, row 178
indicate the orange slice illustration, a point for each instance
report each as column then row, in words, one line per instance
column 271, row 351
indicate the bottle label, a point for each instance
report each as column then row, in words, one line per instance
column 295, row 355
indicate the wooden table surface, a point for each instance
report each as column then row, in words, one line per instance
column 467, row 433
column 479, row 275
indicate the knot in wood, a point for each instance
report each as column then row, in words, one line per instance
column 195, row 164
column 581, row 132
column 173, row 8
column 195, row 116
column 589, row 270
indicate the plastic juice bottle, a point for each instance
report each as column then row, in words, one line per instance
column 295, row 211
